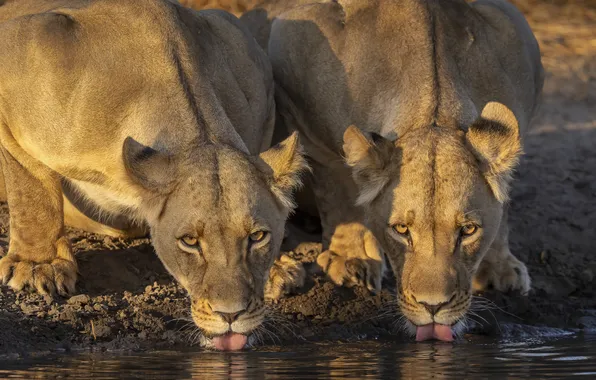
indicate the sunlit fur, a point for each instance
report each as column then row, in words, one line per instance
column 437, row 188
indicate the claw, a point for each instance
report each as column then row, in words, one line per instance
column 45, row 278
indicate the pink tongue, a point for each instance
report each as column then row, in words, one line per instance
column 230, row 342
column 434, row 331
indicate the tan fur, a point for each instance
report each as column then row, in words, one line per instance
column 286, row 275
column 158, row 122
column 427, row 101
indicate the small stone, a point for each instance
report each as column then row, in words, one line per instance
column 29, row 309
column 79, row 299
column 148, row 289
column 169, row 336
column 102, row 330
column 68, row 315
column 142, row 335
column 98, row 307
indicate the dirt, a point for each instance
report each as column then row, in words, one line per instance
column 127, row 301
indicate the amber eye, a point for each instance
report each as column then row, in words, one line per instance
column 401, row 229
column 190, row 241
column 469, row 229
column 258, row 236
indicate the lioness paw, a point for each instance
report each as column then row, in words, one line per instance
column 508, row 274
column 350, row 272
column 56, row 277
column 354, row 258
column 286, row 275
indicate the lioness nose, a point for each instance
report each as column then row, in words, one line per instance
column 230, row 317
column 433, row 309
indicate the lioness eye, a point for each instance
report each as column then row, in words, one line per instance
column 257, row 236
column 469, row 229
column 401, row 229
column 190, row 241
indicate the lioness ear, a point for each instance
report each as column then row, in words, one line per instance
column 153, row 170
column 371, row 159
column 495, row 141
column 286, row 163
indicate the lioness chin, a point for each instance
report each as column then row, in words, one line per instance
column 444, row 91
column 155, row 115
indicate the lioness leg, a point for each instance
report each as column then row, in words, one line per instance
column 74, row 217
column 39, row 254
column 500, row 268
column 351, row 254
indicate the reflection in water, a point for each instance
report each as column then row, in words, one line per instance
column 368, row 359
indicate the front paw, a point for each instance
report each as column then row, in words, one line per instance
column 508, row 274
column 285, row 275
column 354, row 258
column 353, row 271
column 58, row 276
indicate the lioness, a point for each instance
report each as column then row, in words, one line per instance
column 444, row 91
column 155, row 114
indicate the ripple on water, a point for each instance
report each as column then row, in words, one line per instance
column 474, row 358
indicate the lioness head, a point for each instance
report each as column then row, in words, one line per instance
column 217, row 225
column 434, row 198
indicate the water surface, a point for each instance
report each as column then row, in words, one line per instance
column 475, row 357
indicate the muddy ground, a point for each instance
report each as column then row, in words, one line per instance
column 128, row 301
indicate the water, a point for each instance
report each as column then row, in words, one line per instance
column 478, row 358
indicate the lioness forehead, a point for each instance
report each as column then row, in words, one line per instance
column 438, row 176
column 223, row 186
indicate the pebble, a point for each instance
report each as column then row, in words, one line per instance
column 79, row 299
column 102, row 330
column 99, row 307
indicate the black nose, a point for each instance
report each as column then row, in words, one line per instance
column 433, row 309
column 230, row 317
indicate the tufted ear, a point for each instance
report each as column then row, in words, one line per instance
column 372, row 161
column 495, row 140
column 286, row 163
column 153, row 170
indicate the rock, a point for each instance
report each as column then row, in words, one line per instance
column 102, row 331
column 169, row 335
column 99, row 307
column 68, row 315
column 29, row 309
column 81, row 299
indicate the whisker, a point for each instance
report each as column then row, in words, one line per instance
column 485, row 301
